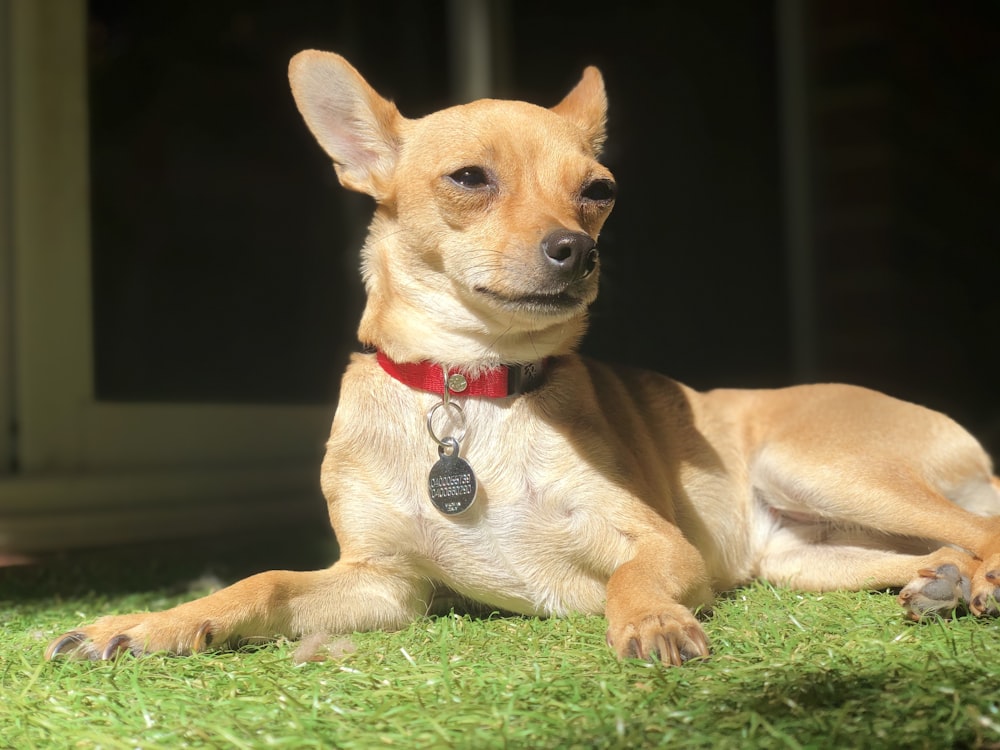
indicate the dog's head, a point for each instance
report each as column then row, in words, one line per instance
column 483, row 247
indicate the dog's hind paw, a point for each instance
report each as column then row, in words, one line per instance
column 985, row 600
column 937, row 591
column 672, row 637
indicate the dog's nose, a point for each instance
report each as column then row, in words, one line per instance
column 573, row 253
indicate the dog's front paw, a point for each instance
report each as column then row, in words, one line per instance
column 935, row 592
column 671, row 634
column 138, row 634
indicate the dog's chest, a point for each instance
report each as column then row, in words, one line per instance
column 521, row 553
column 534, row 540
column 531, row 541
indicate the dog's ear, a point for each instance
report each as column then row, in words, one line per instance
column 587, row 106
column 358, row 128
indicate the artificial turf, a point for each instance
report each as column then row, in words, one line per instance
column 788, row 670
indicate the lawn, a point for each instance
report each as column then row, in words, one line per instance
column 788, row 670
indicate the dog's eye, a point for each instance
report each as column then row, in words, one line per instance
column 470, row 177
column 600, row 191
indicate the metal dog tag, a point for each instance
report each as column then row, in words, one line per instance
column 452, row 484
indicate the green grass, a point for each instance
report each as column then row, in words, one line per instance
column 788, row 670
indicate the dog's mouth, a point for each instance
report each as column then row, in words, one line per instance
column 553, row 303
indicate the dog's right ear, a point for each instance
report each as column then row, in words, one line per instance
column 358, row 128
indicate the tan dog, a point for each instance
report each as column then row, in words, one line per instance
column 541, row 482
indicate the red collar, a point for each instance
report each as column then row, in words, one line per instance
column 497, row 382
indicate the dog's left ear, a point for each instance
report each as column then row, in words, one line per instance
column 587, row 106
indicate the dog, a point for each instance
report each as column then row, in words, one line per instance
column 474, row 451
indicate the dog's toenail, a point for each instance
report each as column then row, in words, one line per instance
column 203, row 638
column 69, row 642
column 115, row 646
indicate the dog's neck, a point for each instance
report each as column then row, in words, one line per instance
column 472, row 351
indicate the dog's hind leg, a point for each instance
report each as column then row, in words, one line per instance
column 858, row 539
column 847, row 458
column 348, row 597
column 936, row 582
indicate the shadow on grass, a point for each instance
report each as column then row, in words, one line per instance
column 167, row 565
column 929, row 702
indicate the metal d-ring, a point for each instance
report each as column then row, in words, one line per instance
column 449, row 442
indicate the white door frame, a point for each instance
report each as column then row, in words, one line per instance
column 6, row 259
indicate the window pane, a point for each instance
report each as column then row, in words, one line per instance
column 224, row 254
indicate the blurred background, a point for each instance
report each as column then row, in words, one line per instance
column 808, row 192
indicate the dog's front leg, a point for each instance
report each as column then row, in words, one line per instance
column 650, row 600
column 345, row 598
